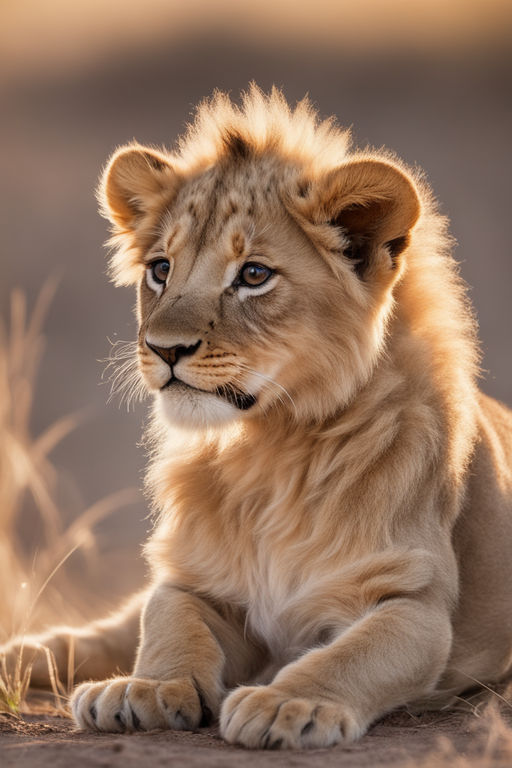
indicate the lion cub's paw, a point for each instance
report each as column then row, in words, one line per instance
column 265, row 717
column 131, row 704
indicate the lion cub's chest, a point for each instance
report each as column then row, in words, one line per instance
column 280, row 578
column 255, row 544
column 278, row 592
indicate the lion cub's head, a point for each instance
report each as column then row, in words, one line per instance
column 264, row 257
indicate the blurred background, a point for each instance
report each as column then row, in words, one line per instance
column 430, row 79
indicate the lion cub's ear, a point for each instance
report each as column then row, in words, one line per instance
column 375, row 205
column 137, row 181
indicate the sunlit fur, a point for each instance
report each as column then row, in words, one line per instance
column 344, row 541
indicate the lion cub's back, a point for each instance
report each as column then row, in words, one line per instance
column 483, row 543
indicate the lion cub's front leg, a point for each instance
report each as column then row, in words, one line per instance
column 332, row 694
column 178, row 677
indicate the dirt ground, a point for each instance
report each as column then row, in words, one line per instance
column 400, row 740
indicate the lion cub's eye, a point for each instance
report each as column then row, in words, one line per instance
column 160, row 270
column 253, row 275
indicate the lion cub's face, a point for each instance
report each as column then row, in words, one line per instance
column 237, row 293
column 256, row 292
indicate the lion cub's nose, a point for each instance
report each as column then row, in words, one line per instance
column 171, row 355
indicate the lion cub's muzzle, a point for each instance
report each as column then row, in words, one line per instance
column 171, row 355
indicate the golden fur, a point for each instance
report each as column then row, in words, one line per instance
column 333, row 494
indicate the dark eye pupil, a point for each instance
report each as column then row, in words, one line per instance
column 160, row 270
column 255, row 274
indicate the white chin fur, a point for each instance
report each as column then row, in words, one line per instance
column 185, row 407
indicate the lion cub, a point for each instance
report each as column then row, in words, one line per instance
column 333, row 492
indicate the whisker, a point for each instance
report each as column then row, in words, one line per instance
column 272, row 383
column 123, row 374
column 276, row 393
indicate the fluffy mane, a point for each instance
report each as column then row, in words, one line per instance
column 263, row 123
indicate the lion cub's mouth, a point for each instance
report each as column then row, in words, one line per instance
column 241, row 400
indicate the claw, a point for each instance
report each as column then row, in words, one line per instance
column 277, row 744
column 182, row 722
column 135, row 720
column 307, row 728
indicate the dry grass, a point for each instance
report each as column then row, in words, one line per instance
column 29, row 597
column 489, row 742
column 13, row 687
